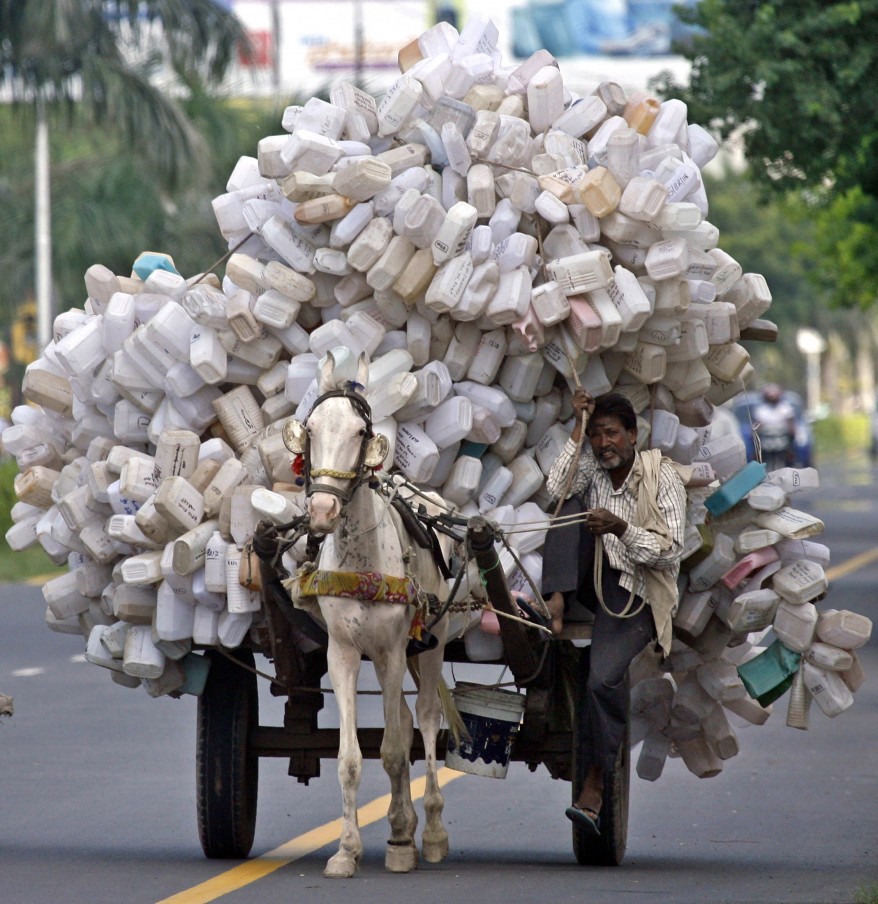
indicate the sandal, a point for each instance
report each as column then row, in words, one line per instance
column 587, row 818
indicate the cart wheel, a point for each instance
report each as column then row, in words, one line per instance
column 226, row 772
column 609, row 848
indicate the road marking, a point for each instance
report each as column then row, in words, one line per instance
column 852, row 564
column 40, row 579
column 253, row 870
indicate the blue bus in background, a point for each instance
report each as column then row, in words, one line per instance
column 566, row 28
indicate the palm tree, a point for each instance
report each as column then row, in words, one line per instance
column 125, row 62
column 105, row 60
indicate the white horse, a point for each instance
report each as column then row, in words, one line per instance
column 363, row 535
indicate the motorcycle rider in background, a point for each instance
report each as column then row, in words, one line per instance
column 775, row 425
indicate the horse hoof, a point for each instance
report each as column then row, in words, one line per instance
column 340, row 866
column 401, row 858
column 434, row 851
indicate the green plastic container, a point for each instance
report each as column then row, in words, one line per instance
column 735, row 488
column 770, row 674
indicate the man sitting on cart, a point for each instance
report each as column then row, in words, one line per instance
column 621, row 560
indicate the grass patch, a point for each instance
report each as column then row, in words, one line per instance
column 867, row 894
column 16, row 567
column 19, row 567
column 839, row 434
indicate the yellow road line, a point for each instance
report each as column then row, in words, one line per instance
column 41, row 579
column 296, row 848
column 852, row 564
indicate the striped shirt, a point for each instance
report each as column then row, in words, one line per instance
column 636, row 545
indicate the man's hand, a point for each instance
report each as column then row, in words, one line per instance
column 603, row 521
column 583, row 403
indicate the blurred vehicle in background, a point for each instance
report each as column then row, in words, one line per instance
column 744, row 407
column 724, row 422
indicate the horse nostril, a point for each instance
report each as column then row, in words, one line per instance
column 323, row 508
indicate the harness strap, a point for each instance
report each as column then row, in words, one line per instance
column 361, row 406
column 368, row 586
column 421, row 532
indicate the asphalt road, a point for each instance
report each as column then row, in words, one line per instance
column 97, row 796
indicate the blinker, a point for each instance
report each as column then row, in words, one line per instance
column 294, row 436
column 376, row 450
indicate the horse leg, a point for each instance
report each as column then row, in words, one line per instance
column 402, row 853
column 434, row 841
column 344, row 666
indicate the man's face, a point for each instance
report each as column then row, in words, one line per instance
column 612, row 444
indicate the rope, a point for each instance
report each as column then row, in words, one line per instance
column 496, row 684
column 388, row 501
column 395, row 479
column 484, row 571
column 332, row 472
column 757, row 443
column 517, row 169
column 225, row 257
column 599, row 588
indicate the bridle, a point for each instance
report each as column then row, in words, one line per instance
column 373, row 449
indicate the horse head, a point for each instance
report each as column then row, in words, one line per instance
column 337, row 443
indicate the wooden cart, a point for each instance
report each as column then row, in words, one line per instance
column 230, row 740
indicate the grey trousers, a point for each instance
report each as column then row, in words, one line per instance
column 568, row 567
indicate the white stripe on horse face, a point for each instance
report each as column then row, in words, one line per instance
column 335, row 430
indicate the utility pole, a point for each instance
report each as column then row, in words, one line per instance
column 43, row 229
column 359, row 43
column 275, row 44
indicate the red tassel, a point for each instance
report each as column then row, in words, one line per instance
column 298, row 465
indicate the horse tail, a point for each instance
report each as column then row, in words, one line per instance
column 450, row 712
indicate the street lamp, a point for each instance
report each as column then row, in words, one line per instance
column 812, row 345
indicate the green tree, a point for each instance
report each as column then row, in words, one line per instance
column 108, row 205
column 80, row 67
column 776, row 235
column 796, row 82
column 96, row 60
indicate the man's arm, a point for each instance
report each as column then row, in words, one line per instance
column 643, row 545
column 556, row 482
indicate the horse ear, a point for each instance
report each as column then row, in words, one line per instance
column 376, row 450
column 294, row 436
column 363, row 370
column 327, row 369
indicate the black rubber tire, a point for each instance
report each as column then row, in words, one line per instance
column 226, row 771
column 609, row 848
